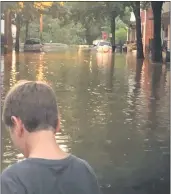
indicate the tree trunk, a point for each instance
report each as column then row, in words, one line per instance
column 41, row 26
column 89, row 39
column 113, row 32
column 27, row 26
column 136, row 9
column 157, row 47
column 17, row 42
column 8, row 32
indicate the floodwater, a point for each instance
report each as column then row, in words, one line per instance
column 115, row 113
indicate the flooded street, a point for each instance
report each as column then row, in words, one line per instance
column 115, row 113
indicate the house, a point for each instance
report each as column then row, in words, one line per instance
column 131, row 30
column 147, row 27
column 165, row 32
column 13, row 29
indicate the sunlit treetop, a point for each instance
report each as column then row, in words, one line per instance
column 61, row 3
column 21, row 4
column 41, row 5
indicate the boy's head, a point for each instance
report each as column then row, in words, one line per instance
column 29, row 107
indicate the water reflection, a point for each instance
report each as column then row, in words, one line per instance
column 114, row 113
column 40, row 69
column 13, row 70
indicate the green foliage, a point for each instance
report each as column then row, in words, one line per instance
column 93, row 16
column 145, row 5
column 120, row 30
column 120, row 24
column 72, row 22
column 120, row 35
column 7, row 5
column 125, row 17
column 53, row 32
column 114, row 9
column 70, row 34
column 88, row 14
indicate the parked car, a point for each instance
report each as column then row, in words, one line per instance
column 33, row 45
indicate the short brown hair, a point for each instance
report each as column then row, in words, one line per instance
column 34, row 102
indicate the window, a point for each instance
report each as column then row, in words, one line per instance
column 32, row 41
column 166, row 33
column 104, row 43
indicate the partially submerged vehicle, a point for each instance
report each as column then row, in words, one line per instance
column 95, row 42
column 33, row 45
column 103, row 46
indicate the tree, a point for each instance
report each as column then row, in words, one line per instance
column 87, row 14
column 92, row 15
column 113, row 10
column 120, row 30
column 136, row 10
column 53, row 31
column 17, row 42
column 25, row 12
column 120, row 35
column 6, row 9
column 15, row 12
column 125, row 17
column 157, row 47
column 29, row 11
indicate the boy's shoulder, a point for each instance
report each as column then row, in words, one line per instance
column 84, row 163
column 13, row 170
column 22, row 175
column 29, row 165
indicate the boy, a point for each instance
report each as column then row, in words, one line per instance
column 30, row 112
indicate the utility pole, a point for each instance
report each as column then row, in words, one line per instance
column 41, row 26
column 8, row 31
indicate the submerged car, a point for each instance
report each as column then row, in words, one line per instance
column 33, row 45
column 95, row 42
column 103, row 46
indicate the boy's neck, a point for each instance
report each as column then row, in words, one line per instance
column 43, row 145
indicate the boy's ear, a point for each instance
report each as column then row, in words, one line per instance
column 18, row 129
column 58, row 126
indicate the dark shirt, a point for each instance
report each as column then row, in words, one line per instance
column 41, row 176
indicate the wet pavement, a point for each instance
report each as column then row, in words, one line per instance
column 114, row 113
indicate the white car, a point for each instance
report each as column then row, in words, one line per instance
column 104, row 47
column 33, row 45
column 95, row 42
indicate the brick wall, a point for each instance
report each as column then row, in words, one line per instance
column 147, row 26
column 168, row 43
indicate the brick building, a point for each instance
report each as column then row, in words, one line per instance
column 147, row 27
column 165, row 32
column 131, row 31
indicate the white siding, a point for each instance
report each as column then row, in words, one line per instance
column 13, row 28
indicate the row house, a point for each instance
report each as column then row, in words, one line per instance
column 147, row 27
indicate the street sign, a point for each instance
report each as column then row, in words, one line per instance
column 104, row 35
